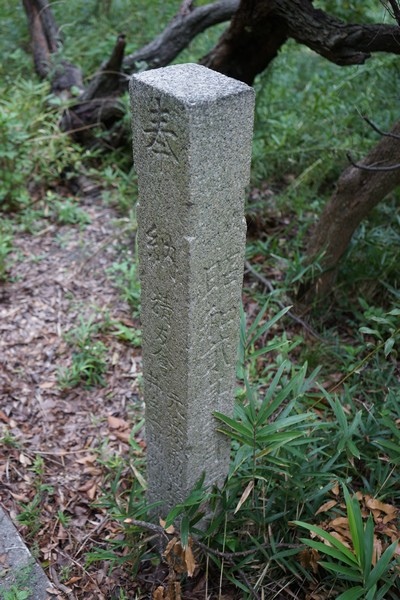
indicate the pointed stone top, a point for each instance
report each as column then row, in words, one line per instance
column 192, row 83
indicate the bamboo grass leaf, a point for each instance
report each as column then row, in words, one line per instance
column 352, row 594
column 368, row 546
column 329, row 538
column 237, row 426
column 341, row 570
column 260, row 331
column 381, row 566
column 334, row 552
column 355, row 525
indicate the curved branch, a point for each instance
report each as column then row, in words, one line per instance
column 372, row 168
column 259, row 28
column 341, row 43
column 179, row 33
column 379, row 130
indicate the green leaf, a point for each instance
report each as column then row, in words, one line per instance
column 368, row 546
column 352, row 448
column 334, row 552
column 381, row 593
column 269, row 348
column 252, row 398
column 371, row 595
column 355, row 525
column 281, row 424
column 344, row 572
column 381, row 566
column 267, row 407
column 340, row 415
column 253, row 327
column 329, row 538
column 260, row 332
column 389, row 346
column 369, row 331
column 184, row 531
column 284, row 438
column 352, row 594
column 235, row 425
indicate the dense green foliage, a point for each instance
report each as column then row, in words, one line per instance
column 292, row 439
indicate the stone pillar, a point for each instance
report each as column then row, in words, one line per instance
column 192, row 133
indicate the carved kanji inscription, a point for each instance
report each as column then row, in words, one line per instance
column 161, row 138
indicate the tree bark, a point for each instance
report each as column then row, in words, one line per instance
column 99, row 104
column 46, row 42
column 358, row 191
column 259, row 28
column 178, row 34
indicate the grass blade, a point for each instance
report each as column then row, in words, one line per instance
column 329, row 538
column 328, row 550
column 352, row 594
column 381, row 566
column 355, row 525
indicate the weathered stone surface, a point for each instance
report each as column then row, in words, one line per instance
column 192, row 131
column 18, row 568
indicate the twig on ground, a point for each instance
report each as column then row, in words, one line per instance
column 60, row 586
column 243, row 553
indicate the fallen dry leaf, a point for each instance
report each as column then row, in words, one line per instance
column 117, row 423
column 309, row 558
column 158, row 594
column 388, row 509
column 247, row 491
column 170, row 530
column 336, row 489
column 326, row 506
column 189, row 560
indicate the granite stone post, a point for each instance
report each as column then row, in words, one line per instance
column 192, row 133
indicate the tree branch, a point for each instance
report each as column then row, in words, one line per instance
column 339, row 42
column 259, row 28
column 378, row 130
column 394, row 9
column 179, row 33
column 371, row 167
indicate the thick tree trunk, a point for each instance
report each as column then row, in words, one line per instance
column 252, row 41
column 99, row 104
column 358, row 191
column 46, row 41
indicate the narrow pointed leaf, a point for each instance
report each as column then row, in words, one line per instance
column 334, row 552
column 329, row 538
column 355, row 525
column 235, row 425
column 381, row 566
column 344, row 572
column 368, row 546
column 352, row 594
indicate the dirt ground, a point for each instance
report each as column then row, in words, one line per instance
column 54, row 442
